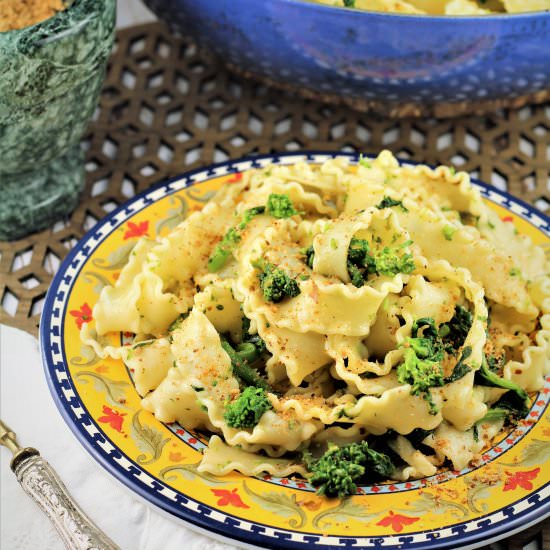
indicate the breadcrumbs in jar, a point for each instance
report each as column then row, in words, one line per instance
column 18, row 14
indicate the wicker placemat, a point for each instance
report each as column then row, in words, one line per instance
column 168, row 106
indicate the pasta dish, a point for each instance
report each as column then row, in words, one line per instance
column 347, row 323
column 443, row 7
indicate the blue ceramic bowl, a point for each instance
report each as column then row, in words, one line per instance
column 370, row 56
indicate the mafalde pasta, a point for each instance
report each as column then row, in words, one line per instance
column 442, row 7
column 349, row 323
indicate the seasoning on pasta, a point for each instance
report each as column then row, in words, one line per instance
column 347, row 323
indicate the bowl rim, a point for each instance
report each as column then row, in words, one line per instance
column 420, row 17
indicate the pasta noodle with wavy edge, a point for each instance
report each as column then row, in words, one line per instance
column 333, row 349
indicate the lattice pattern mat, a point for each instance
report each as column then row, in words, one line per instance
column 168, row 106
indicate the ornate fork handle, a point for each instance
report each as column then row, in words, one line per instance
column 40, row 481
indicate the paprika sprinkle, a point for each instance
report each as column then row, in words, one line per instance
column 18, row 14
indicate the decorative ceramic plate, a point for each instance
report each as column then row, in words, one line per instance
column 98, row 400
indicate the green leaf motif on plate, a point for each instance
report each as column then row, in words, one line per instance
column 87, row 358
column 116, row 259
column 175, row 215
column 148, row 440
column 428, row 502
column 115, row 391
column 282, row 504
column 343, row 511
column 478, row 490
column 100, row 280
column 534, row 454
column 196, row 195
column 190, row 472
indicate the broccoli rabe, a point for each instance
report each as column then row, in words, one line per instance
column 276, row 285
column 421, row 367
column 461, row 368
column 388, row 202
column 231, row 239
column 455, row 331
column 516, row 400
column 363, row 161
column 388, row 262
column 223, row 250
column 309, row 253
column 251, row 346
column 509, row 407
column 339, row 470
column 247, row 409
column 280, row 206
column 176, row 323
column 241, row 365
column 250, row 338
column 361, row 262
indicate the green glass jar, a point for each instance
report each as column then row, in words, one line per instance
column 50, row 78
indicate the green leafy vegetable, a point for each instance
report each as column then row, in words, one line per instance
column 249, row 214
column 276, row 285
column 461, row 368
column 360, row 263
column 421, row 367
column 231, row 239
column 363, row 161
column 223, row 250
column 388, row 262
column 142, row 344
column 448, row 232
column 241, row 365
column 338, row 471
column 309, row 253
column 388, row 202
column 516, row 400
column 280, row 206
column 455, row 331
column 178, row 321
column 246, row 411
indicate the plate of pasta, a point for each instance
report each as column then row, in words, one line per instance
column 314, row 349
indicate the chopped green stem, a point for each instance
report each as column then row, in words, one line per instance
column 242, row 369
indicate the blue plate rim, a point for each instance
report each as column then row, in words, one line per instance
column 229, row 528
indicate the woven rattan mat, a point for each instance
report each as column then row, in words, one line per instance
column 168, row 106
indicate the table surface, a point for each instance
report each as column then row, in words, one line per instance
column 26, row 405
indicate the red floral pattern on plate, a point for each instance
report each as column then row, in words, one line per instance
column 112, row 417
column 521, row 479
column 136, row 229
column 396, row 521
column 82, row 315
column 229, row 498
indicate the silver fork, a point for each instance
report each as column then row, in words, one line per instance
column 43, row 485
